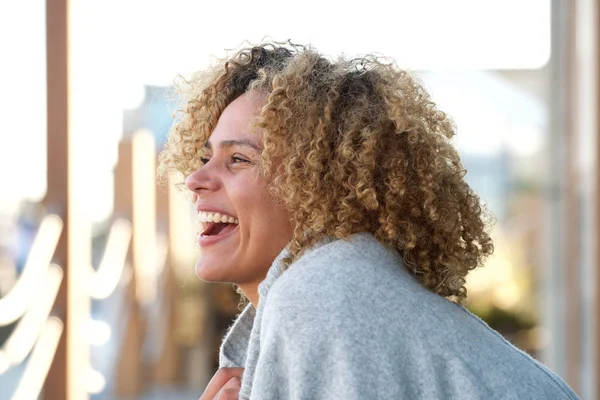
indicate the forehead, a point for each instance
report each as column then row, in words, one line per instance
column 236, row 120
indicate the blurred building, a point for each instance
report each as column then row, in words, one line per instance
column 155, row 113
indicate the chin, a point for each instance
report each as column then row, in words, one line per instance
column 213, row 272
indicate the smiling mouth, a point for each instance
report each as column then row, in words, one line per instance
column 216, row 224
column 218, row 228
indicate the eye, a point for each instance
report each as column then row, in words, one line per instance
column 237, row 159
column 204, row 160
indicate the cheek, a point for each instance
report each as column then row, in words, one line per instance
column 257, row 218
column 251, row 203
column 262, row 223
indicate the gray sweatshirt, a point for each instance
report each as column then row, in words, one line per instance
column 347, row 321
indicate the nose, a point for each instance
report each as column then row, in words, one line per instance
column 201, row 179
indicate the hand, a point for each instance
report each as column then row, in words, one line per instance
column 224, row 385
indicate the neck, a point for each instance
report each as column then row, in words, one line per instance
column 250, row 290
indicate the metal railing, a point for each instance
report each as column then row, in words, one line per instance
column 102, row 283
column 31, row 300
column 50, row 303
column 18, row 300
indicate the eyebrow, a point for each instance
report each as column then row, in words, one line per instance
column 227, row 144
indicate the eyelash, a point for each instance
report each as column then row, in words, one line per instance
column 235, row 160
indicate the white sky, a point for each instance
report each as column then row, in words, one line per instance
column 119, row 45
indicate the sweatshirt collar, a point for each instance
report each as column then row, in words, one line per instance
column 234, row 348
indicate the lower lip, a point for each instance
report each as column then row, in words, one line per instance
column 204, row 241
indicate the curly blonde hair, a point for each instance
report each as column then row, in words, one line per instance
column 351, row 145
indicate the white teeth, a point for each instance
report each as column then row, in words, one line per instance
column 216, row 217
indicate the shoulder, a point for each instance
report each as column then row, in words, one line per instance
column 354, row 299
column 337, row 266
column 360, row 257
column 343, row 280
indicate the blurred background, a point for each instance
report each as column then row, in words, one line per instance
column 98, row 298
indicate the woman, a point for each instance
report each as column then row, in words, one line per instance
column 329, row 193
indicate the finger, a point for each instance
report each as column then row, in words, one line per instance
column 219, row 380
column 231, row 390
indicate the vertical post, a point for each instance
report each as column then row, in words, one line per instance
column 592, row 291
column 135, row 199
column 582, row 109
column 582, row 331
column 572, row 187
column 553, row 305
column 144, row 215
column 167, row 366
column 66, row 376
column 128, row 376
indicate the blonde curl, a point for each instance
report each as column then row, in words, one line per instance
column 350, row 145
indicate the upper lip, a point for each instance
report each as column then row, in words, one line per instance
column 208, row 208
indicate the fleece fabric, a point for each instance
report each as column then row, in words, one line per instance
column 348, row 321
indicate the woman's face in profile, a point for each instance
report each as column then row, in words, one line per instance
column 241, row 230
